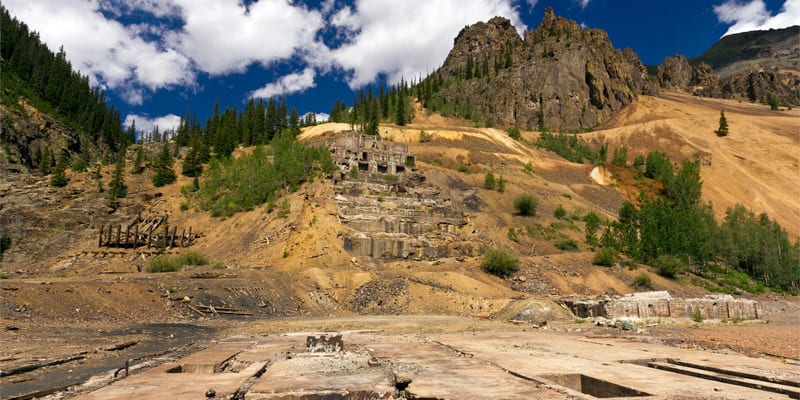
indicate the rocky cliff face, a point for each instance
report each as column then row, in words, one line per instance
column 560, row 76
column 25, row 133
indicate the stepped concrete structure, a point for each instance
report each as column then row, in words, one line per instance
column 390, row 211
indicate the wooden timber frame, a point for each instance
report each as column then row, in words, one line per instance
column 140, row 232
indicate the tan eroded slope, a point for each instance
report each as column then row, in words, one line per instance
column 757, row 164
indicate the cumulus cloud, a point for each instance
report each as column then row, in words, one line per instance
column 406, row 38
column 319, row 117
column 287, row 84
column 111, row 54
column 583, row 3
column 753, row 15
column 169, row 122
column 225, row 37
column 136, row 47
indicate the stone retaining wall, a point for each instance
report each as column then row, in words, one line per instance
column 662, row 305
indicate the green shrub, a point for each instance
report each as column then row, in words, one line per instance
column 669, row 266
column 526, row 204
column 513, row 133
column 190, row 257
column 499, row 262
column 567, row 245
column 643, row 280
column 560, row 212
column 488, row 181
column 501, row 184
column 697, row 316
column 165, row 263
column 512, row 235
column 284, row 209
column 463, row 168
column 529, row 168
column 605, row 257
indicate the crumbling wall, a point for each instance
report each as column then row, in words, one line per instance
column 388, row 216
column 662, row 305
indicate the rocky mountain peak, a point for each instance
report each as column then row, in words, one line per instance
column 559, row 77
column 482, row 37
column 555, row 26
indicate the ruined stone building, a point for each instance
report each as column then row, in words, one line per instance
column 388, row 211
column 369, row 153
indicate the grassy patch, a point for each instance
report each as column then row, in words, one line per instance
column 165, row 263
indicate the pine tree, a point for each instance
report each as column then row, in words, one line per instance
column 294, row 122
column 192, row 165
column 117, row 187
column 501, row 184
column 45, row 162
column 400, row 111
column 164, row 174
column 138, row 159
column 59, row 177
column 723, row 125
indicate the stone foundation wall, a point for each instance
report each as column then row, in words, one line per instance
column 662, row 305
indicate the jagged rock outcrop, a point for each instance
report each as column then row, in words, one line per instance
column 560, row 76
column 26, row 132
column 754, row 66
column 674, row 73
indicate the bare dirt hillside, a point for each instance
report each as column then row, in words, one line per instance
column 757, row 165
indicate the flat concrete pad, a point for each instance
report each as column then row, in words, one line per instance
column 508, row 364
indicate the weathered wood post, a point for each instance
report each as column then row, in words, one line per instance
column 119, row 233
column 163, row 242
column 150, row 237
column 100, row 237
column 127, row 234
column 135, row 236
column 190, row 238
column 183, row 236
column 172, row 237
column 110, row 235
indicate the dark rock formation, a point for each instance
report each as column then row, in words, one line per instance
column 674, row 73
column 754, row 66
column 560, row 76
column 26, row 132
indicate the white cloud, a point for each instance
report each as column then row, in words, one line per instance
column 223, row 37
column 287, row 84
column 111, row 54
column 532, row 3
column 407, row 38
column 144, row 123
column 753, row 15
column 319, row 117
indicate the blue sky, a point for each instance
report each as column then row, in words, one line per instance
column 158, row 58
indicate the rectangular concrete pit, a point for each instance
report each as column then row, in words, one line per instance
column 211, row 360
column 593, row 386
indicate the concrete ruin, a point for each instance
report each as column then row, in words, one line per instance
column 389, row 209
column 508, row 364
column 370, row 154
column 661, row 304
